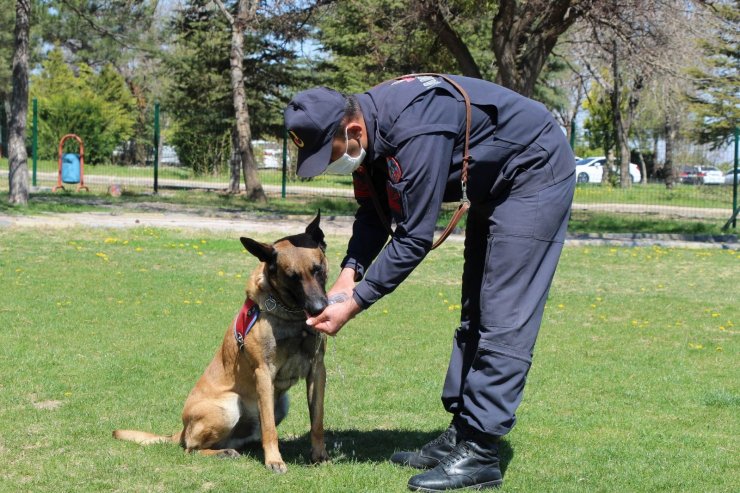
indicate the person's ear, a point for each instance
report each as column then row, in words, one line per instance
column 354, row 131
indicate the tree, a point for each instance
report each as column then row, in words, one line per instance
column 96, row 106
column 524, row 35
column 715, row 100
column 626, row 44
column 128, row 35
column 17, row 155
column 7, row 15
column 245, row 17
column 200, row 100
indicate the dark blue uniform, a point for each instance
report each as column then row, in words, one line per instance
column 520, row 185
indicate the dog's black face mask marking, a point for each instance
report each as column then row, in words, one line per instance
column 296, row 268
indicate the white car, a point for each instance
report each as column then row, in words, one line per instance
column 730, row 177
column 589, row 170
column 709, row 175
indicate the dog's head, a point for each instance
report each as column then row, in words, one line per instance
column 295, row 268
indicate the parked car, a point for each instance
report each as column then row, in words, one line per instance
column 688, row 175
column 730, row 177
column 590, row 170
column 701, row 175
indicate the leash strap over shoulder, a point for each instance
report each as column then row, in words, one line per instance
column 464, row 202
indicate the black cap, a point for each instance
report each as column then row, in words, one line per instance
column 312, row 117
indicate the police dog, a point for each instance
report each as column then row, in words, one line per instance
column 242, row 395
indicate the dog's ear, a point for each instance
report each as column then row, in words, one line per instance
column 314, row 231
column 263, row 251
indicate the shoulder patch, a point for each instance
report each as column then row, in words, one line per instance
column 394, row 170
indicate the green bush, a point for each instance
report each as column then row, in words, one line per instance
column 98, row 107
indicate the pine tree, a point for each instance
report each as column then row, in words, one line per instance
column 716, row 100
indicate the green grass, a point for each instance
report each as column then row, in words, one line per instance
column 635, row 384
column 267, row 176
column 713, row 196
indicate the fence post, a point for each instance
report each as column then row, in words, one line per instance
column 734, row 180
column 573, row 135
column 735, row 171
column 285, row 160
column 35, row 144
column 156, row 147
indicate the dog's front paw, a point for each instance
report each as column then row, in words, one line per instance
column 319, row 455
column 278, row 467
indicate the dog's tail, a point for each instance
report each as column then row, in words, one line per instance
column 145, row 438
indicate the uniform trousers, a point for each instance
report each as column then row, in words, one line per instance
column 512, row 247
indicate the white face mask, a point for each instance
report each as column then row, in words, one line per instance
column 346, row 164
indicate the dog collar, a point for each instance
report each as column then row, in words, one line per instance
column 245, row 320
column 271, row 303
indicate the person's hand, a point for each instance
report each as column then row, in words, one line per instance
column 335, row 315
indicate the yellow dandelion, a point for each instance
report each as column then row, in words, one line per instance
column 139, row 249
column 220, row 273
column 110, row 240
column 715, row 315
column 187, row 302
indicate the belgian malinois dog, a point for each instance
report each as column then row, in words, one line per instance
column 242, row 395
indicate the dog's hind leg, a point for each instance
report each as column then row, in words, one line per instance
column 208, row 426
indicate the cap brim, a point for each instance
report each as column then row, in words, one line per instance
column 313, row 163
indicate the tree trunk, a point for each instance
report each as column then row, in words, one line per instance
column 245, row 15
column 235, row 164
column 435, row 19
column 524, row 34
column 670, row 136
column 17, row 156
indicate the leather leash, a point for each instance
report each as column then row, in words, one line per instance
column 464, row 202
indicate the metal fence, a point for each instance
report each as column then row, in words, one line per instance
column 691, row 197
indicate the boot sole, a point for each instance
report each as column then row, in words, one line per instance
column 480, row 486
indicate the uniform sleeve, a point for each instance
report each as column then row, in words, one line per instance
column 417, row 178
column 369, row 233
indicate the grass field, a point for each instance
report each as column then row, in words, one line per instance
column 635, row 385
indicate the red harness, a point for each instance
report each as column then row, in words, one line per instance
column 245, row 320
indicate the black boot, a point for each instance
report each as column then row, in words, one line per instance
column 431, row 453
column 471, row 464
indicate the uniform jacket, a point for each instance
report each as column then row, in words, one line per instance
column 416, row 130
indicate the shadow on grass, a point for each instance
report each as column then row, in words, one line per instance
column 365, row 446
